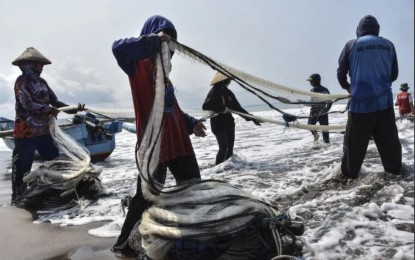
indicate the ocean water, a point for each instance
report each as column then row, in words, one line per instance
column 368, row 218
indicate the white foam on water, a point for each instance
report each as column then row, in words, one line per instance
column 369, row 218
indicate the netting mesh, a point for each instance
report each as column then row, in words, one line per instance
column 208, row 215
column 291, row 103
column 196, row 219
column 58, row 182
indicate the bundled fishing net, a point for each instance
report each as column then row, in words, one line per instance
column 214, row 220
column 202, row 219
column 59, row 182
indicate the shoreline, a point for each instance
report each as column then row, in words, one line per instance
column 22, row 239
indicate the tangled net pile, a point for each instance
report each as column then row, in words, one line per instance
column 201, row 219
column 61, row 182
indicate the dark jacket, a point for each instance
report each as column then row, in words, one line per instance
column 372, row 65
column 219, row 98
column 319, row 109
column 33, row 100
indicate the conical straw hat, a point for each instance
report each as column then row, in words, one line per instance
column 31, row 54
column 218, row 78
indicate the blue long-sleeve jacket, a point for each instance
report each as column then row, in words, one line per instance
column 136, row 57
column 372, row 65
column 130, row 50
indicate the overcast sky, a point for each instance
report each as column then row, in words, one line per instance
column 280, row 40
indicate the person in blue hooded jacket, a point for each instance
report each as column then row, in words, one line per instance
column 136, row 57
column 372, row 65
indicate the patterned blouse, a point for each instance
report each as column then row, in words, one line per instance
column 33, row 97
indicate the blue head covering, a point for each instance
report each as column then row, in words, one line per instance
column 158, row 23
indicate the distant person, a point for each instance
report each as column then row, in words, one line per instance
column 372, row 65
column 218, row 100
column 36, row 103
column 404, row 101
column 318, row 111
column 137, row 58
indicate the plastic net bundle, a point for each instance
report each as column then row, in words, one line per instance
column 208, row 220
column 59, row 182
column 198, row 219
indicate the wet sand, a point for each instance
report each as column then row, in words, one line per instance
column 22, row 239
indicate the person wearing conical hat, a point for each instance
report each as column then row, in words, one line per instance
column 36, row 103
column 31, row 54
column 404, row 101
column 218, row 100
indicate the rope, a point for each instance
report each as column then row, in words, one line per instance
column 287, row 257
column 294, row 124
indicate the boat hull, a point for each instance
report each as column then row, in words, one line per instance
column 99, row 145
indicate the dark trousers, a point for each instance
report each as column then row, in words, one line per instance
column 182, row 168
column 226, row 140
column 359, row 129
column 322, row 120
column 23, row 156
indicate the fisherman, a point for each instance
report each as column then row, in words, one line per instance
column 371, row 111
column 137, row 58
column 404, row 101
column 36, row 103
column 318, row 111
column 219, row 99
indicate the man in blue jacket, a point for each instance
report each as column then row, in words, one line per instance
column 372, row 65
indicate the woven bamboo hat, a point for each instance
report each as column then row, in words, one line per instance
column 218, row 78
column 31, row 54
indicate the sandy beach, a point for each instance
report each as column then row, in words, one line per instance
column 22, row 239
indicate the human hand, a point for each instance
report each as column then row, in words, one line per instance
column 199, row 129
column 349, row 89
column 81, row 107
column 54, row 112
column 257, row 122
column 164, row 36
column 226, row 110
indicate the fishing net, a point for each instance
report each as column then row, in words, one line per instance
column 60, row 182
column 210, row 220
column 199, row 219
column 125, row 115
column 293, row 105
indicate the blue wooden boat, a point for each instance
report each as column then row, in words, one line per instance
column 96, row 134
